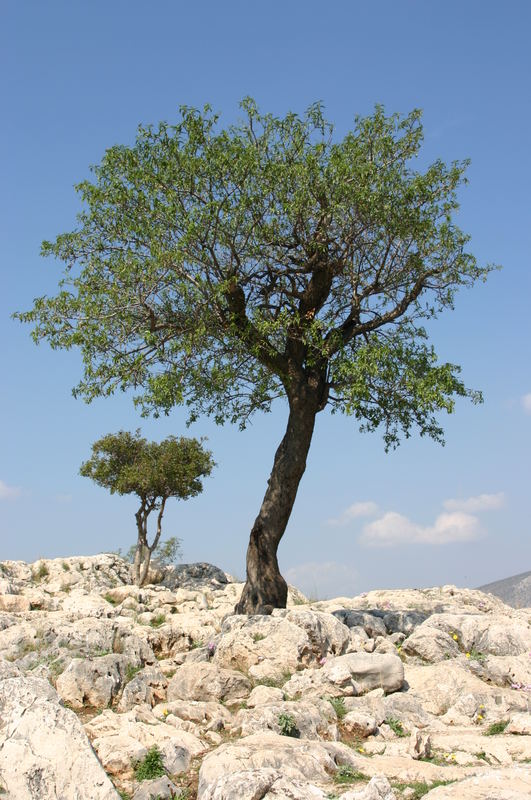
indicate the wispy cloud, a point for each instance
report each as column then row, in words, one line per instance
column 365, row 509
column 394, row 529
column 481, row 502
column 328, row 579
column 8, row 492
column 526, row 403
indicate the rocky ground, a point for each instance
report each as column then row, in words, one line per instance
column 108, row 691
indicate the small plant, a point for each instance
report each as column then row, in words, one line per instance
column 347, row 774
column 475, row 655
column 396, row 726
column 157, row 621
column 110, row 599
column 65, row 566
column 420, row 788
column 275, row 683
column 482, row 756
column 41, row 572
column 257, row 637
column 123, row 794
column 195, row 644
column 150, row 766
column 130, row 672
column 338, row 704
column 496, row 727
column 287, row 725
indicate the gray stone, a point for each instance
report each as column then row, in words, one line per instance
column 157, row 789
column 44, row 751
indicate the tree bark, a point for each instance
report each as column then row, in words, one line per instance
column 143, row 549
column 265, row 588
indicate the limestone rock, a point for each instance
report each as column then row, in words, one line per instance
column 157, row 789
column 268, row 646
column 311, row 720
column 359, row 724
column 44, row 752
column 350, row 675
column 208, row 682
column 419, row 744
column 378, row 788
column 148, row 686
column 93, row 682
column 520, row 724
column 502, row 784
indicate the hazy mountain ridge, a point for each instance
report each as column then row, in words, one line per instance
column 515, row 591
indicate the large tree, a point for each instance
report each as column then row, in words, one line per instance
column 126, row 463
column 223, row 268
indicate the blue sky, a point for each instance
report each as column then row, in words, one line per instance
column 77, row 77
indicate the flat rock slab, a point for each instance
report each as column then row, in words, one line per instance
column 44, row 751
column 501, row 784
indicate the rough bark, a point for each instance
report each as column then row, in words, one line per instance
column 265, row 588
column 143, row 549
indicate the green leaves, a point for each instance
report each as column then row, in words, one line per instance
column 126, row 463
column 220, row 268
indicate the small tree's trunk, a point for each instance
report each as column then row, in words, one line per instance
column 143, row 549
column 265, row 588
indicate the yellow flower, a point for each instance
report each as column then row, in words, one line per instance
column 467, row 655
column 482, row 706
column 165, row 712
column 455, row 636
column 480, row 716
column 361, row 750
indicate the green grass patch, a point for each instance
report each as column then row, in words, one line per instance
column 347, row 774
column 110, row 599
column 150, row 766
column 396, row 726
column 288, row 726
column 157, row 621
column 496, row 728
column 420, row 788
column 338, row 704
column 130, row 672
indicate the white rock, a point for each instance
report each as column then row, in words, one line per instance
column 378, row 788
column 502, row 784
column 205, row 681
column 520, row 724
column 44, row 752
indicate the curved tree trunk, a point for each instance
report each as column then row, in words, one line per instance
column 265, row 588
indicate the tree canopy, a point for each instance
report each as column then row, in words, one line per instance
column 126, row 463
column 223, row 268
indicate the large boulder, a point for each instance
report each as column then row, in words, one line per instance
column 352, row 674
column 287, row 640
column 44, row 751
column 511, row 783
column 305, row 761
column 122, row 739
column 93, row 682
column 205, row 681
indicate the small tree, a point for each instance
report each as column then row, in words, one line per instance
column 126, row 463
column 222, row 269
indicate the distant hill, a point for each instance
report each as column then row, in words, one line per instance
column 515, row 591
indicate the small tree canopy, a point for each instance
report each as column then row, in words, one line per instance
column 126, row 463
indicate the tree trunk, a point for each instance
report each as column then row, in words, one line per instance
column 265, row 588
column 143, row 549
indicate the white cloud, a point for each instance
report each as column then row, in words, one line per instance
column 395, row 529
column 366, row 509
column 481, row 502
column 526, row 403
column 8, row 492
column 323, row 579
